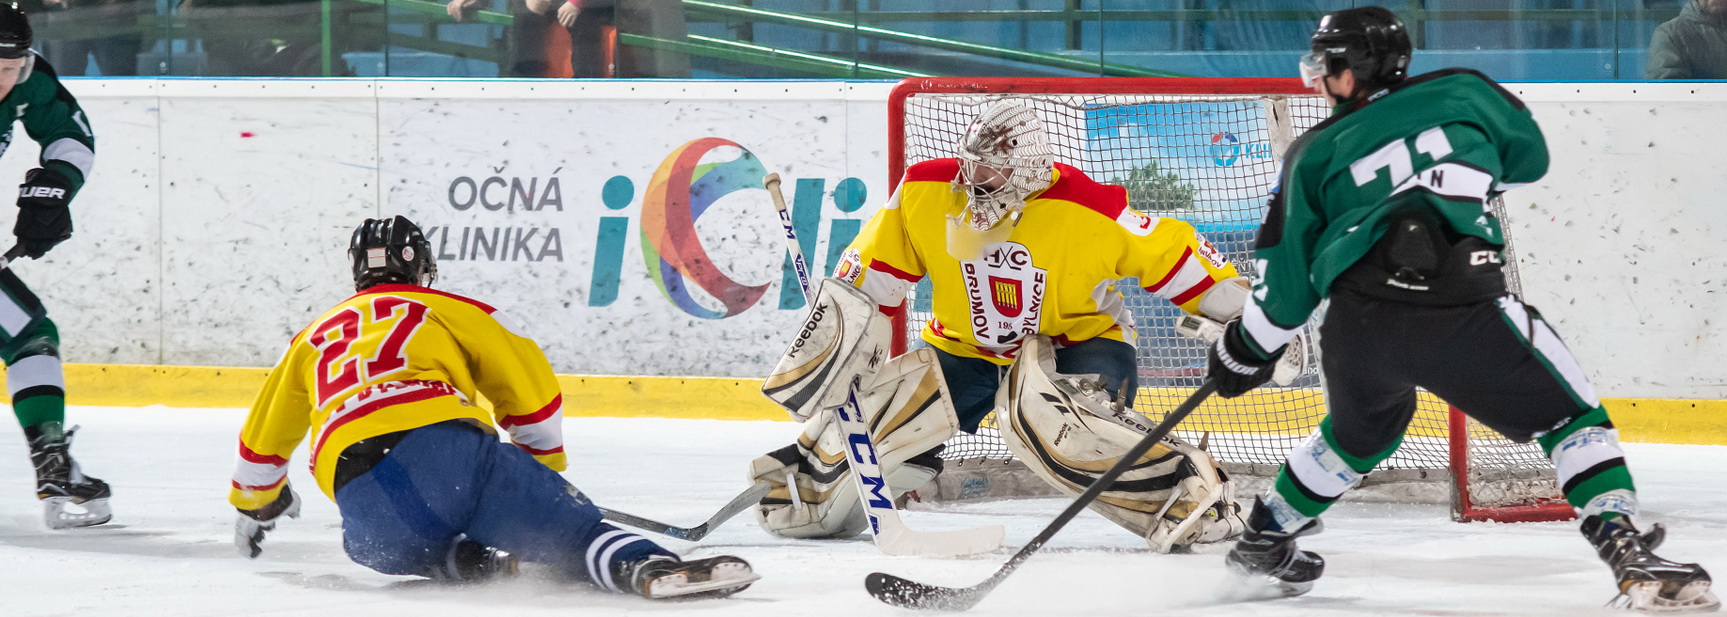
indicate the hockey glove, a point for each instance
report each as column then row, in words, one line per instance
column 250, row 525
column 1235, row 365
column 44, row 219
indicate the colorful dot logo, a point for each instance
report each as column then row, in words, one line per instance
column 1225, row 149
column 680, row 191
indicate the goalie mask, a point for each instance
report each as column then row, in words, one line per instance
column 1004, row 157
column 391, row 251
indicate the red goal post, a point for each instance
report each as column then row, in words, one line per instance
column 1207, row 150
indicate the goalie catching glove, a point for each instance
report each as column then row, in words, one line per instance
column 1223, row 304
column 1069, row 432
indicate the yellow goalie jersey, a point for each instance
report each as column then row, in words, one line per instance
column 394, row 358
column 1054, row 275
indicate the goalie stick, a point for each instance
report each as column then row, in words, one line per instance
column 911, row 594
column 738, row 504
column 890, row 533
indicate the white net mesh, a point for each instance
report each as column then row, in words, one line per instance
column 1211, row 160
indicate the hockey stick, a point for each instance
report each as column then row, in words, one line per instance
column 12, row 254
column 771, row 182
column 738, row 504
column 910, row 594
column 891, row 535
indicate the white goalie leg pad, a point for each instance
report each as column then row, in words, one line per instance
column 909, row 412
column 1067, row 431
column 844, row 336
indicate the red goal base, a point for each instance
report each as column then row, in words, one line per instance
column 1463, row 509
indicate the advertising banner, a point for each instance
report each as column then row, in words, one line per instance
column 632, row 235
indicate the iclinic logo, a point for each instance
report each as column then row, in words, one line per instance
column 678, row 193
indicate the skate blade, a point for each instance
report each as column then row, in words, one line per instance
column 1646, row 597
column 1245, row 587
column 723, row 579
column 65, row 513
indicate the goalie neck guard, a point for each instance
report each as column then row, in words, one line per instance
column 391, row 251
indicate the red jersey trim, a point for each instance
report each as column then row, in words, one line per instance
column 270, row 486
column 392, row 288
column 557, row 450
column 246, row 454
column 883, row 267
column 1194, row 291
column 1185, row 254
column 551, row 409
column 1072, row 185
column 938, row 170
column 362, row 411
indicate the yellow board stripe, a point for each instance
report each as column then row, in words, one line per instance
column 1651, row 420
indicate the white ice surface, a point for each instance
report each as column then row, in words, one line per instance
column 169, row 550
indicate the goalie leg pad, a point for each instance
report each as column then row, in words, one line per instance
column 812, row 494
column 1069, row 432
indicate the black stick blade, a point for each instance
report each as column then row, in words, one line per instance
column 914, row 595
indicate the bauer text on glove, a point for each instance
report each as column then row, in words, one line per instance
column 44, row 219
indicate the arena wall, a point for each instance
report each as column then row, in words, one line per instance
column 215, row 223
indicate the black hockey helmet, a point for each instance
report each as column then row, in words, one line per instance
column 1369, row 40
column 391, row 250
column 14, row 32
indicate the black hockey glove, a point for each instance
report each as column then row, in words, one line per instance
column 250, row 525
column 1235, row 366
column 43, row 217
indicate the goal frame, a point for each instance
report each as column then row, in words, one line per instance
column 1463, row 508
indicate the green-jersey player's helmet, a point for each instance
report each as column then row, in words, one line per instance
column 1370, row 41
column 14, row 33
column 391, row 250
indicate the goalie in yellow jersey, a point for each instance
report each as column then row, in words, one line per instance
column 386, row 383
column 1023, row 254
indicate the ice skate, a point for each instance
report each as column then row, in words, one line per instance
column 1270, row 558
column 69, row 498
column 1648, row 583
column 660, row 578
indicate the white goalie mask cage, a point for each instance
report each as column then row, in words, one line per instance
column 1006, row 141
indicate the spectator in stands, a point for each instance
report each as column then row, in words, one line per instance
column 532, row 38
column 1692, row 45
column 273, row 38
column 115, row 54
column 590, row 23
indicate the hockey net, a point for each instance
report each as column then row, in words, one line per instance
column 1206, row 151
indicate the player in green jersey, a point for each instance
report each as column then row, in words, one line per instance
column 1383, row 209
column 29, row 341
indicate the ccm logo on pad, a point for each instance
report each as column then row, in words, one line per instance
column 42, row 191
